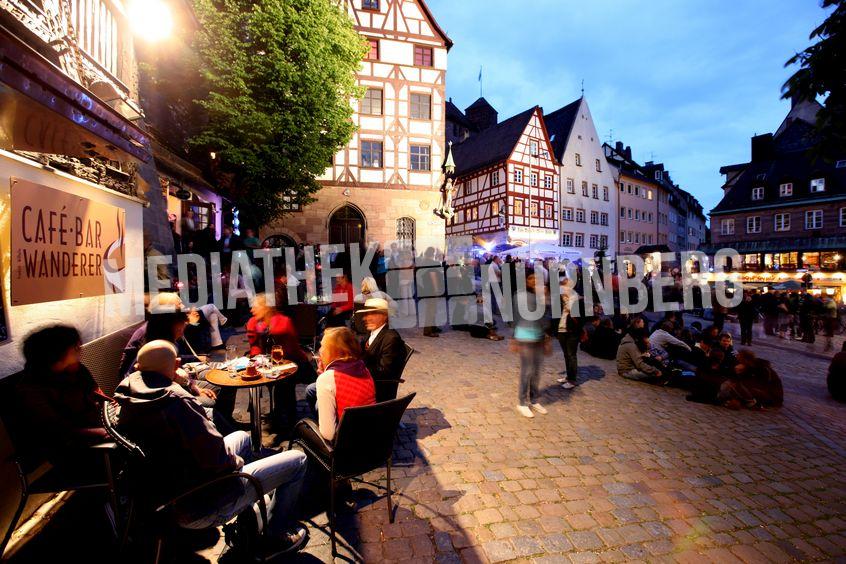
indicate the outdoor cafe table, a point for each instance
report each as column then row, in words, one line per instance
column 225, row 379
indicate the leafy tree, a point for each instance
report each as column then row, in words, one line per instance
column 823, row 72
column 280, row 78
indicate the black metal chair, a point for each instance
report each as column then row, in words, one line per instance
column 364, row 442
column 387, row 389
column 165, row 515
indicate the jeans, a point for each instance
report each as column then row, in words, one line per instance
column 285, row 393
column 570, row 347
column 215, row 319
column 281, row 475
column 311, row 398
column 531, row 357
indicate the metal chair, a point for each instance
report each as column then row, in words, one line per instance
column 165, row 514
column 364, row 442
column 387, row 389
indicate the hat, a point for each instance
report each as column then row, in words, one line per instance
column 165, row 302
column 375, row 305
column 157, row 356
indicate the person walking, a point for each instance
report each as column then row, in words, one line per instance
column 569, row 336
column 531, row 344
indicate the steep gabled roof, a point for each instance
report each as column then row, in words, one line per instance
column 559, row 124
column 453, row 114
column 480, row 103
column 492, row 145
column 434, row 23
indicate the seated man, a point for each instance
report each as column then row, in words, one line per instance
column 663, row 339
column 344, row 382
column 384, row 349
column 604, row 342
column 183, row 449
column 57, row 399
column 632, row 359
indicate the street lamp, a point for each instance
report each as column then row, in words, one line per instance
column 150, row 19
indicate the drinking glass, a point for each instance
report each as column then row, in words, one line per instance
column 231, row 355
column 277, row 355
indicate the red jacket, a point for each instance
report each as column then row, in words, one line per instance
column 281, row 330
column 347, row 304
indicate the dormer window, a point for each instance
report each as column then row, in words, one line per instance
column 785, row 190
column 817, row 185
column 658, row 175
column 758, row 193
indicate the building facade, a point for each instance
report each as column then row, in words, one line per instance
column 589, row 202
column 638, row 201
column 784, row 210
column 382, row 186
column 506, row 185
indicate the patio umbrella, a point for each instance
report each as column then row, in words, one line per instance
column 788, row 285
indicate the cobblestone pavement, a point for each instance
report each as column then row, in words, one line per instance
column 617, row 471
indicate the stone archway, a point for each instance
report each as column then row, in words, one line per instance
column 347, row 226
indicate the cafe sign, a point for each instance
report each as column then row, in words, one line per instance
column 64, row 246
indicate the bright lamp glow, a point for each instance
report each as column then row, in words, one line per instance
column 150, row 19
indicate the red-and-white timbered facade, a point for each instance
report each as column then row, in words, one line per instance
column 388, row 171
column 514, row 200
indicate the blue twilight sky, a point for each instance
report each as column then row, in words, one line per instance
column 686, row 82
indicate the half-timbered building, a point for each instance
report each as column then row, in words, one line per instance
column 506, row 185
column 381, row 187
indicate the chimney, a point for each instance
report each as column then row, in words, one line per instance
column 482, row 114
column 619, row 147
column 762, row 147
column 628, row 152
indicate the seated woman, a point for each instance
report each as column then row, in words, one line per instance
column 726, row 344
column 265, row 329
column 58, row 401
column 344, row 381
column 341, row 313
column 754, row 384
column 605, row 341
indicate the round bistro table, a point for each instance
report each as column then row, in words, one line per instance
column 224, row 379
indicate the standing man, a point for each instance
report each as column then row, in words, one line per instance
column 746, row 312
column 569, row 336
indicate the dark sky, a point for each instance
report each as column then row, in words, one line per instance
column 687, row 82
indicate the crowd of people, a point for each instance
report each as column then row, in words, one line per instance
column 185, row 425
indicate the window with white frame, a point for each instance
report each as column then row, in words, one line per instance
column 571, row 186
column 584, row 189
column 841, row 164
column 495, row 178
column 547, row 211
column 605, row 193
column 533, row 148
column 567, row 214
column 578, row 160
column 547, row 182
column 758, row 193
column 579, row 240
column 534, row 180
column 727, row 227
column 371, row 104
column 785, row 189
column 533, row 209
column 594, row 191
column 580, row 215
column 420, row 157
column 594, row 218
column 814, row 219
column 622, row 236
column 566, row 239
column 421, row 106
column 781, row 222
column 817, row 185
column 518, row 176
column 594, row 241
column 637, row 215
column 603, row 218
column 598, row 166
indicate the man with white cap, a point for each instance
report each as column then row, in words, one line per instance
column 183, row 449
column 384, row 349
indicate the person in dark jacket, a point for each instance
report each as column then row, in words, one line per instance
column 754, row 384
column 58, row 402
column 747, row 311
column 383, row 350
column 570, row 332
column 183, row 449
column 837, row 375
column 710, row 376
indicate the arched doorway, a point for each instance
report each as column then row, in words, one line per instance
column 346, row 226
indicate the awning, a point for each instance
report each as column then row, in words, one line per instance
column 44, row 110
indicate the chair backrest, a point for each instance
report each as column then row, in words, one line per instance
column 365, row 438
column 13, row 488
column 109, row 419
column 408, row 352
column 102, row 357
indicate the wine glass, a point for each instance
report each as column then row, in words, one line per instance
column 277, row 355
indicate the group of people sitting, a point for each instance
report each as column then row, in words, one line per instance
column 184, row 425
column 701, row 361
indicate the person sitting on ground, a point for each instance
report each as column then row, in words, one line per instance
column 267, row 328
column 836, row 379
column 663, row 338
column 183, row 450
column 344, row 381
column 631, row 359
column 699, row 353
column 711, row 334
column 57, row 400
column 605, row 341
column 590, row 326
column 710, row 375
column 341, row 313
column 754, row 384
column 725, row 343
